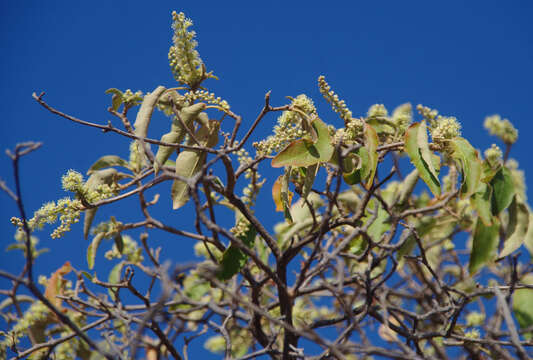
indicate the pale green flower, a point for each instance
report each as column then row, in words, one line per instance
column 339, row 106
column 493, row 155
column 501, row 128
column 402, row 116
column 184, row 59
column 72, row 181
column 445, row 128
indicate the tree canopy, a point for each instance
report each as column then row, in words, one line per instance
column 396, row 238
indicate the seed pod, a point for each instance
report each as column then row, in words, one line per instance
column 100, row 177
column 189, row 162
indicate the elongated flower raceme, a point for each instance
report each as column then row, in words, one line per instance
column 184, row 59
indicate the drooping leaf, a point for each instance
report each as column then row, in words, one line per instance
column 234, row 259
column 87, row 221
column 484, row 245
column 305, row 152
column 503, row 190
column 93, row 247
column 407, row 187
column 107, row 161
column 114, row 277
column 53, row 286
column 470, row 165
column 371, row 145
column 87, row 275
column 189, row 162
column 164, row 152
column 522, row 308
column 286, row 195
column 310, row 175
column 119, row 242
column 188, row 115
column 517, row 228
column 481, row 201
column 417, row 148
column 528, row 241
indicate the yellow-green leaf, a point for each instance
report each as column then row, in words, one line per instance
column 522, row 308
column 107, row 161
column 484, row 245
column 305, row 152
column 371, row 145
column 93, row 247
column 114, row 277
column 470, row 164
column 189, row 162
column 310, row 175
column 417, row 148
column 164, row 152
column 116, row 99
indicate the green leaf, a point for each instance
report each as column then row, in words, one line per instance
column 522, row 308
column 356, row 166
column 114, row 277
column 310, row 175
column 503, row 190
column 189, row 162
column 481, row 201
column 407, row 186
column 484, row 245
column 87, row 221
column 233, row 259
column 528, row 241
column 305, row 152
column 164, row 152
column 516, row 229
column 107, row 161
column 93, row 247
column 119, row 242
column 87, row 275
column 286, row 197
column 116, row 99
column 470, row 164
column 417, row 148
column 371, row 145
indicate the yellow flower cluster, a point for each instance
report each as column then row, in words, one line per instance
column 339, row 106
column 493, row 155
column 67, row 210
column 445, row 128
column 501, row 128
column 37, row 312
column 207, row 97
column 241, row 227
column 289, row 127
column 130, row 98
column 377, row 111
column 185, row 61
column 427, row 113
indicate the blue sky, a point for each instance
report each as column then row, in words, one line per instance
column 466, row 59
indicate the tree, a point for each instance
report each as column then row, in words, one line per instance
column 364, row 262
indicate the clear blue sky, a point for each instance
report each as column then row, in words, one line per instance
column 467, row 59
